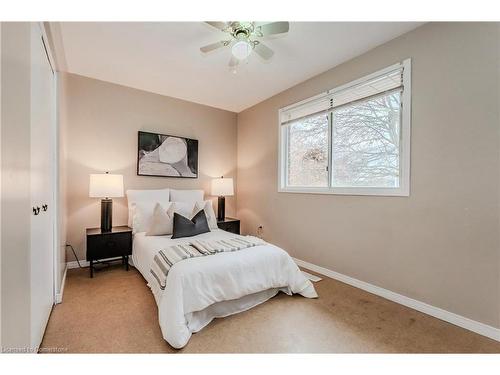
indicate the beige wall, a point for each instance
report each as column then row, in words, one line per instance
column 441, row 244
column 102, row 121
column 16, row 195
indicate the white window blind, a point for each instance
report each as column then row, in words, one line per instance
column 311, row 108
column 385, row 83
column 323, row 103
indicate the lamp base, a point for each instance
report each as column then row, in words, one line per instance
column 221, row 208
column 106, row 215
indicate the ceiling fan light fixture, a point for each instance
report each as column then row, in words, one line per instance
column 241, row 49
column 244, row 38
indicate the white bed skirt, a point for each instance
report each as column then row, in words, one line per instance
column 196, row 321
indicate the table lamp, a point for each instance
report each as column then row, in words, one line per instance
column 222, row 187
column 106, row 186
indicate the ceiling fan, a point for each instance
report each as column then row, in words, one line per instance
column 243, row 38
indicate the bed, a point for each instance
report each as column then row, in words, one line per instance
column 215, row 286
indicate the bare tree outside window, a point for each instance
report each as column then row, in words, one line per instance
column 365, row 143
column 308, row 152
column 351, row 140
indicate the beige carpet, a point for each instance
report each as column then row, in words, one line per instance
column 115, row 313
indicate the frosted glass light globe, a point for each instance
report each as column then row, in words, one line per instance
column 241, row 49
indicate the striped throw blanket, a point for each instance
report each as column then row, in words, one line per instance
column 166, row 258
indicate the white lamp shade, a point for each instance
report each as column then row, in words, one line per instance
column 106, row 185
column 222, row 187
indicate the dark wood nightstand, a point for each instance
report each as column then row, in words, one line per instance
column 229, row 224
column 106, row 245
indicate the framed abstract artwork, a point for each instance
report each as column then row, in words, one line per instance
column 163, row 155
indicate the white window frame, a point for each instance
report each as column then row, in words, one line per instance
column 404, row 146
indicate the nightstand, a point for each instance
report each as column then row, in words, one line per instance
column 105, row 245
column 229, row 224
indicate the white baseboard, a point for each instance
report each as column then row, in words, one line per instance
column 458, row 320
column 74, row 264
column 59, row 296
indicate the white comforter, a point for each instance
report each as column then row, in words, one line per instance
column 200, row 289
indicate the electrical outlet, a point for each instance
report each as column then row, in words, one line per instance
column 260, row 230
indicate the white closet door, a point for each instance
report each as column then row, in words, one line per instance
column 42, row 186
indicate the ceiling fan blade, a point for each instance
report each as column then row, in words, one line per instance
column 218, row 25
column 263, row 51
column 273, row 28
column 233, row 62
column 213, row 46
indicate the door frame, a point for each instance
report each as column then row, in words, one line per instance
column 55, row 161
column 0, row 185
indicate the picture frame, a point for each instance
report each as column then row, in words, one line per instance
column 162, row 155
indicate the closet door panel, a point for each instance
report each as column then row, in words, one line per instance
column 42, row 186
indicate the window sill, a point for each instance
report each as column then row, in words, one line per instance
column 384, row 192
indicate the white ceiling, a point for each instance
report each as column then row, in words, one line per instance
column 164, row 58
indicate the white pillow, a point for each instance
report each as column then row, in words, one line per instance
column 162, row 221
column 209, row 212
column 161, row 196
column 185, row 208
column 187, row 196
column 142, row 214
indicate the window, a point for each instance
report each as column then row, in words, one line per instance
column 353, row 139
column 308, row 152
